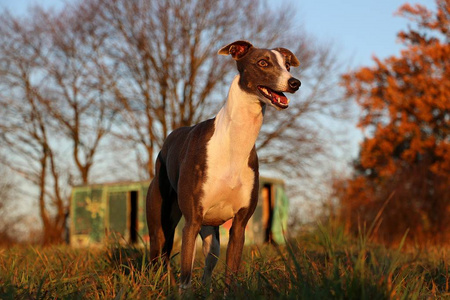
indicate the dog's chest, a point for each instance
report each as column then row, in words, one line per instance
column 229, row 180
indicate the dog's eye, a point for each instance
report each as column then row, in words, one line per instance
column 288, row 66
column 263, row 63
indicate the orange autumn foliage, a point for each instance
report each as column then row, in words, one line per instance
column 405, row 156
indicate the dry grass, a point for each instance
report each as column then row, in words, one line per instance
column 325, row 264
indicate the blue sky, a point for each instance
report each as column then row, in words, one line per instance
column 359, row 29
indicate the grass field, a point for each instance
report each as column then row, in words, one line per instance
column 324, row 264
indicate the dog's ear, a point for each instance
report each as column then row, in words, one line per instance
column 237, row 49
column 290, row 57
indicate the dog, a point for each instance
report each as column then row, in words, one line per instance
column 208, row 172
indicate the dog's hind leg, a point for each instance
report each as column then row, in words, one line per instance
column 153, row 207
column 170, row 216
column 211, row 249
column 163, row 214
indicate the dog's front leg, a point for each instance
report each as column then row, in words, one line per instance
column 190, row 232
column 235, row 245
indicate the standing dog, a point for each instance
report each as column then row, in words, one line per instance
column 209, row 172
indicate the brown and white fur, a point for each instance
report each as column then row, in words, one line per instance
column 209, row 172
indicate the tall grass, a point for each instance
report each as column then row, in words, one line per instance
column 323, row 264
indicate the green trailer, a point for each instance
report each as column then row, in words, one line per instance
column 100, row 213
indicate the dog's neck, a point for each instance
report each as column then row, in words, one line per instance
column 238, row 124
column 241, row 106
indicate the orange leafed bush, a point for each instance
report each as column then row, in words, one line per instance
column 405, row 103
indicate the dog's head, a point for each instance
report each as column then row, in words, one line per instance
column 264, row 72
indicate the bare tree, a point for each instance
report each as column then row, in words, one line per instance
column 75, row 89
column 24, row 129
column 52, row 98
column 167, row 74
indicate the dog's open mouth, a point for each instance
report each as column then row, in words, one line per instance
column 277, row 98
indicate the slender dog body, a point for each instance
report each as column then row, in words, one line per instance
column 209, row 172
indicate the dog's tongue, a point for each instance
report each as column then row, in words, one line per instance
column 279, row 97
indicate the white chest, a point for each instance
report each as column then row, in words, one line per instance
column 227, row 189
column 229, row 179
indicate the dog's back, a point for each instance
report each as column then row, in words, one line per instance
column 185, row 148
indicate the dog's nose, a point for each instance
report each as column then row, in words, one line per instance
column 294, row 83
